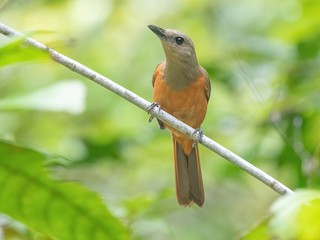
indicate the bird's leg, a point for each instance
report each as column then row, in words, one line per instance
column 153, row 105
column 199, row 133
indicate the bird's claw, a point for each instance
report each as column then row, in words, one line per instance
column 199, row 133
column 153, row 105
column 151, row 118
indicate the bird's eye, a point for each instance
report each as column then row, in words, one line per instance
column 179, row 40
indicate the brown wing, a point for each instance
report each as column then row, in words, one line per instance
column 156, row 74
column 207, row 89
column 157, row 71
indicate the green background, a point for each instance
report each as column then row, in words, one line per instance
column 263, row 61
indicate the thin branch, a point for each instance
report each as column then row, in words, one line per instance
column 160, row 114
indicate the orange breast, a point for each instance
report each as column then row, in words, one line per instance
column 188, row 104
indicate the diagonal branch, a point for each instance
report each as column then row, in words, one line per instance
column 160, row 114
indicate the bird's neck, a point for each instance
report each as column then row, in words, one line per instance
column 179, row 75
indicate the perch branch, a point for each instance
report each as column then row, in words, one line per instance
column 160, row 114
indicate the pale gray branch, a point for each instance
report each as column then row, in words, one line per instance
column 160, row 114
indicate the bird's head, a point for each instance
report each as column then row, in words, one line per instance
column 177, row 45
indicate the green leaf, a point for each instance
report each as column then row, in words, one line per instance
column 62, row 210
column 287, row 211
column 309, row 223
column 295, row 216
column 259, row 232
column 16, row 51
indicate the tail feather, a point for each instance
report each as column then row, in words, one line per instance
column 189, row 186
column 195, row 178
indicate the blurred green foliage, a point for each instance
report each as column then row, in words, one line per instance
column 262, row 57
column 57, row 209
column 14, row 52
column 293, row 217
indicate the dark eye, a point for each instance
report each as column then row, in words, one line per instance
column 179, row 40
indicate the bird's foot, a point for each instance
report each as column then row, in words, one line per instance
column 153, row 105
column 199, row 133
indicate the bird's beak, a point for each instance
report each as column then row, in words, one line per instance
column 160, row 32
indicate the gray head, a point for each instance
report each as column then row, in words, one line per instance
column 177, row 46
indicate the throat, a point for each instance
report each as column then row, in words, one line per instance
column 179, row 76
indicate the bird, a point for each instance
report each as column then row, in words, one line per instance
column 182, row 88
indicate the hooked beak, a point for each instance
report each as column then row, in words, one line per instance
column 158, row 31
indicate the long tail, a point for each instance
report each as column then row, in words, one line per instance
column 189, row 185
